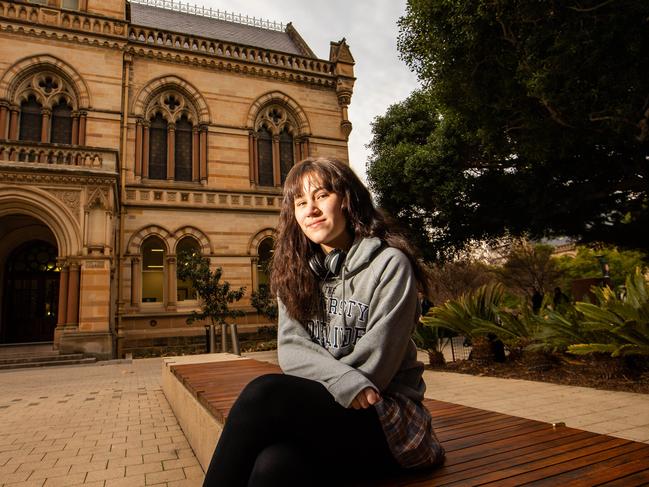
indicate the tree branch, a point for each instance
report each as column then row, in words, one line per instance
column 580, row 9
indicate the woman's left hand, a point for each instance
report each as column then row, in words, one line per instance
column 366, row 398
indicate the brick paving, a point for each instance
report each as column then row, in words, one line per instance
column 99, row 425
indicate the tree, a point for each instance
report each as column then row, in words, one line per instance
column 529, row 268
column 586, row 263
column 265, row 303
column 215, row 296
column 538, row 123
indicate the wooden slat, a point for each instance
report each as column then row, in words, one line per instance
column 482, row 447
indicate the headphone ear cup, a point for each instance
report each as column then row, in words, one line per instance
column 317, row 267
column 334, row 262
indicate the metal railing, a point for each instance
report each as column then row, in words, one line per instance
column 201, row 10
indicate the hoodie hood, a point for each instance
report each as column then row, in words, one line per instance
column 360, row 255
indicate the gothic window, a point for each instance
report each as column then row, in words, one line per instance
column 158, row 148
column 177, row 148
column 49, row 110
column 275, row 151
column 185, row 290
column 265, row 156
column 264, row 253
column 31, row 119
column 61, row 123
column 183, row 150
column 153, row 258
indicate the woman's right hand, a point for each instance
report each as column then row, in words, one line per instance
column 366, row 398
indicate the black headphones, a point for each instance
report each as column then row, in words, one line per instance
column 329, row 267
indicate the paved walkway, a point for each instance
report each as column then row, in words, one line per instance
column 110, row 425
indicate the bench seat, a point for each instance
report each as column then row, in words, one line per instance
column 482, row 447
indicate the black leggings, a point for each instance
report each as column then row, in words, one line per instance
column 287, row 431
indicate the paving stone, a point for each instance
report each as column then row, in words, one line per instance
column 164, row 476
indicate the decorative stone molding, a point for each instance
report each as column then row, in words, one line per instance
column 43, row 178
column 14, row 76
column 42, row 154
column 156, row 88
column 189, row 231
column 253, row 244
column 203, row 199
column 281, row 99
column 74, row 21
column 135, row 242
column 71, row 199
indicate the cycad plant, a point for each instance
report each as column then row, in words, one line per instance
column 620, row 325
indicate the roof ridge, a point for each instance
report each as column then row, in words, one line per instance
column 187, row 8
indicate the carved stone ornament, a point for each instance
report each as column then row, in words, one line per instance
column 71, row 199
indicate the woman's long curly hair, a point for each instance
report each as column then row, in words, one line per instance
column 291, row 278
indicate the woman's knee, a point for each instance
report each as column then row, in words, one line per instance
column 283, row 464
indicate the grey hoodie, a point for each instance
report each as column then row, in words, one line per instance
column 363, row 336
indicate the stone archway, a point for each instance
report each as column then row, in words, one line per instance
column 29, row 280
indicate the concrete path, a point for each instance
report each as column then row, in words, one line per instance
column 110, row 425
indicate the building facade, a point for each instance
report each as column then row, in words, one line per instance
column 131, row 132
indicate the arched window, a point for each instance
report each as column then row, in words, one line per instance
column 62, row 123
column 31, row 119
column 49, row 109
column 153, row 259
column 265, row 153
column 186, row 291
column 158, row 148
column 183, row 150
column 177, row 146
column 264, row 252
column 275, row 151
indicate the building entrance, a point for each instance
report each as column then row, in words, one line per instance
column 31, row 291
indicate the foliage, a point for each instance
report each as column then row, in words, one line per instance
column 621, row 323
column 533, row 119
column 528, row 268
column 215, row 296
column 452, row 279
column 264, row 303
column 586, row 264
column 469, row 314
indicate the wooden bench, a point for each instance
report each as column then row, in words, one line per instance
column 483, row 447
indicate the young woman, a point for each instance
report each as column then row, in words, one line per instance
column 348, row 406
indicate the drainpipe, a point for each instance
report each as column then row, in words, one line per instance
column 117, row 322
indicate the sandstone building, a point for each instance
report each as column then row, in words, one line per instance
column 129, row 132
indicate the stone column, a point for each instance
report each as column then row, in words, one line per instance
column 203, row 151
column 172, row 293
column 251, row 157
column 277, row 178
column 73, row 297
column 13, row 123
column 195, row 154
column 145, row 151
column 136, row 281
column 45, row 124
column 63, row 297
column 4, row 114
column 138, row 148
column 82, row 128
column 75, row 128
column 171, row 151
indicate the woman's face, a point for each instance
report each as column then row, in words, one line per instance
column 320, row 216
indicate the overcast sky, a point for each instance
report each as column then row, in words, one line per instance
column 371, row 32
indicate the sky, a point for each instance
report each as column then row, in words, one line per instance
column 370, row 28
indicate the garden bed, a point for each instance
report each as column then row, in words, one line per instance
column 607, row 374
